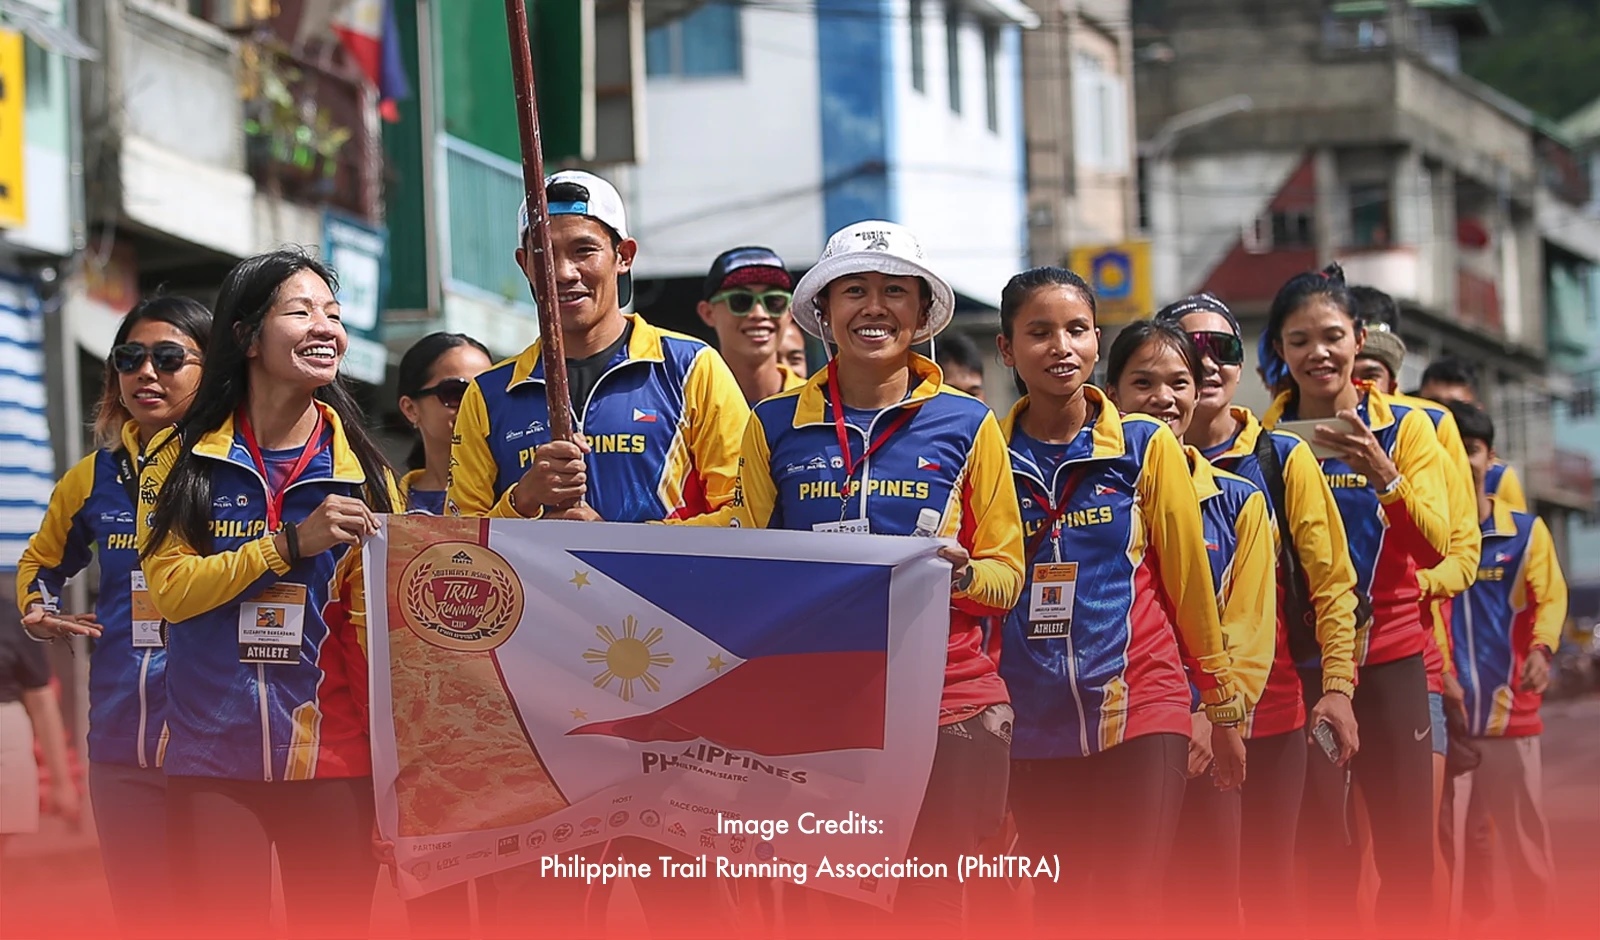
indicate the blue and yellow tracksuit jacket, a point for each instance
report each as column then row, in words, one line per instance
column 1241, row 547
column 249, row 721
column 664, row 424
column 1320, row 544
column 1453, row 575
column 1502, row 484
column 949, row 457
column 1518, row 603
column 428, row 501
column 1393, row 536
column 90, row 511
column 1143, row 589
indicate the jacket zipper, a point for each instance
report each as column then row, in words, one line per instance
column 144, row 705
column 266, row 734
column 1072, row 651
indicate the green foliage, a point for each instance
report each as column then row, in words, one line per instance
column 1547, row 56
column 294, row 130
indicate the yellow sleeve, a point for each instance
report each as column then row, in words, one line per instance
column 755, row 496
column 1249, row 601
column 473, row 470
column 1510, row 490
column 183, row 583
column 991, row 525
column 1421, row 500
column 62, row 546
column 1460, row 566
column 717, row 421
column 1547, row 589
column 1319, row 540
column 1172, row 514
column 1441, row 635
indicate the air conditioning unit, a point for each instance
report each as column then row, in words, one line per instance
column 1256, row 234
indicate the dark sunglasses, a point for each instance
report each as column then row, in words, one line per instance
column 741, row 302
column 1225, row 349
column 166, row 357
column 448, row 391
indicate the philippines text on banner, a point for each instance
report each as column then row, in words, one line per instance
column 543, row 687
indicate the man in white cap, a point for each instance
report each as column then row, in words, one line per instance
column 653, row 407
column 659, row 418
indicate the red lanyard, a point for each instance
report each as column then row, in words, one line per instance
column 1054, row 516
column 852, row 464
column 275, row 500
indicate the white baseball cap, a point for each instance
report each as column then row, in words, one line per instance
column 872, row 247
column 601, row 202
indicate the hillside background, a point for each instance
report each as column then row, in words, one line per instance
column 1547, row 56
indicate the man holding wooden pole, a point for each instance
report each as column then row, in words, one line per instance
column 660, row 418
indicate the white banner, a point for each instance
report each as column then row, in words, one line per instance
column 541, row 688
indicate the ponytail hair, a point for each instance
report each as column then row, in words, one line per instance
column 1327, row 284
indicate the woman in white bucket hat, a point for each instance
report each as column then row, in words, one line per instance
column 875, row 443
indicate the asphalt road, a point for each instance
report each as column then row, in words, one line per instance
column 51, row 883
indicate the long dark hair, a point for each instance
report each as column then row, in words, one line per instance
column 248, row 292
column 415, row 367
column 1296, row 293
column 184, row 314
column 1136, row 334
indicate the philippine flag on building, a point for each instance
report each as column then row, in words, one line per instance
column 367, row 28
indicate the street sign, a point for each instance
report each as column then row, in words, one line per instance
column 358, row 254
column 13, row 198
column 1120, row 277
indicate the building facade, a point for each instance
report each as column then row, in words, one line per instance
column 1360, row 141
column 779, row 124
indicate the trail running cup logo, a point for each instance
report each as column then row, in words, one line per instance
column 461, row 596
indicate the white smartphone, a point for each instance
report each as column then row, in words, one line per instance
column 1307, row 431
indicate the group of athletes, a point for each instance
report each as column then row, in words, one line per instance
column 1206, row 661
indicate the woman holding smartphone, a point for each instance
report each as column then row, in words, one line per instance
column 1118, row 587
column 1322, row 577
column 1383, row 462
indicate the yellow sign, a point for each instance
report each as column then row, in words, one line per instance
column 1120, row 276
column 13, row 202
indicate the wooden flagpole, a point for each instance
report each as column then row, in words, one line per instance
column 542, row 259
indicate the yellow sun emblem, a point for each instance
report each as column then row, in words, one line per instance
column 627, row 658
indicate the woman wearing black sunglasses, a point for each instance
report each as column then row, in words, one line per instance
column 434, row 374
column 1228, row 435
column 150, row 378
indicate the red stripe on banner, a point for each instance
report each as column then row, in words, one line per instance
column 802, row 703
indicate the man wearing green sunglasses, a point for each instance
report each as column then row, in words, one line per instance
column 746, row 301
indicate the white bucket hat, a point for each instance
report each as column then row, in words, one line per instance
column 868, row 247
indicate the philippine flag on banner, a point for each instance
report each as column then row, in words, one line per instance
column 540, row 687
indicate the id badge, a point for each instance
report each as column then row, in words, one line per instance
column 1055, row 586
column 272, row 624
column 146, row 621
column 847, row 526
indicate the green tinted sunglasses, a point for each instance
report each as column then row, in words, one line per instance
column 741, row 302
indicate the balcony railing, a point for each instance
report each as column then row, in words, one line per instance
column 1478, row 301
column 478, row 203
